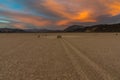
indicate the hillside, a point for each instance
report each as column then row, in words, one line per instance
column 95, row 28
column 10, row 30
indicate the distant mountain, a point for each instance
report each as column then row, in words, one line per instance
column 75, row 28
column 94, row 28
column 41, row 30
column 10, row 30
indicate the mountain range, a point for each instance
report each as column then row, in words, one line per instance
column 73, row 28
column 94, row 28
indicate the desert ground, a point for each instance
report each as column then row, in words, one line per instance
column 75, row 56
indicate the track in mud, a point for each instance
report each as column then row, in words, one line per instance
column 84, row 66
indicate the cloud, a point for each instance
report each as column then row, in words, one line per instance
column 114, row 8
column 26, row 18
column 19, row 25
column 58, row 13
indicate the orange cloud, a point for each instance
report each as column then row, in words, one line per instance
column 112, row 7
column 56, row 8
column 115, row 8
column 84, row 16
column 70, row 16
column 28, row 19
column 63, row 22
column 19, row 25
column 37, row 21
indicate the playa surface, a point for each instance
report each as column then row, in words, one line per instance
column 75, row 56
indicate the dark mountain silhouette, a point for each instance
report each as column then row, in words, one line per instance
column 11, row 30
column 94, row 28
column 41, row 30
column 73, row 28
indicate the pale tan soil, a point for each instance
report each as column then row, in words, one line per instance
column 77, row 56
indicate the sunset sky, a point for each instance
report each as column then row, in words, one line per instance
column 57, row 14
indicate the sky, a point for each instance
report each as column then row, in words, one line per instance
column 57, row 14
